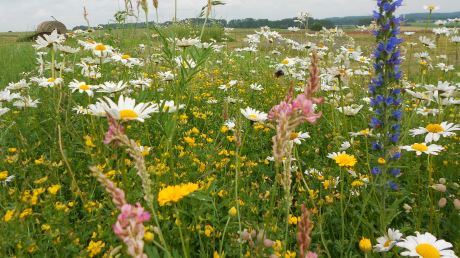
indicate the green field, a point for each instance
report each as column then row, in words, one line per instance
column 201, row 167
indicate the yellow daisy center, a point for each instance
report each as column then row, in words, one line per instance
column 294, row 136
column 345, row 160
column 419, row 147
column 252, row 116
column 128, row 114
column 365, row 131
column 84, row 87
column 387, row 243
column 285, row 61
column 100, row 47
column 125, row 56
column 351, row 50
column 427, row 251
column 51, row 80
column 434, row 128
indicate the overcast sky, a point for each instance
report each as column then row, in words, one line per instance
column 24, row 15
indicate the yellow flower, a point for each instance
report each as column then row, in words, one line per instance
column 381, row 161
column 232, row 212
column 39, row 161
column 293, row 220
column 175, row 193
column 41, row 180
column 365, row 245
column 290, row 254
column 224, row 129
column 344, row 160
column 208, row 230
column 54, row 189
column 148, row 236
column 45, row 227
column 3, row 175
column 25, row 213
column 8, row 215
column 190, row 141
column 94, row 248
column 89, row 141
column 12, row 150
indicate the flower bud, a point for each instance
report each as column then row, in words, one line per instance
column 268, row 243
column 442, row 202
column 442, row 180
column 457, row 204
column 439, row 187
column 232, row 212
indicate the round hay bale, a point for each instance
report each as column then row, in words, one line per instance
column 47, row 27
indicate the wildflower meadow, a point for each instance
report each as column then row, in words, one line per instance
column 186, row 140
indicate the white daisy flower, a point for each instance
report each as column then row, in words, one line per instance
column 96, row 109
column 345, row 146
column 82, row 87
column 350, row 110
column 424, row 111
column 22, row 84
column 254, row 115
column 81, row 110
column 426, row 245
column 420, row 148
column 256, row 86
column 26, row 102
column 101, row 50
column 112, row 87
column 230, row 124
column 189, row 63
column 6, row 95
column 431, row 7
column 435, row 131
column 386, row 242
column 186, row 42
column 126, row 109
column 427, row 42
column 67, row 49
column 299, row 137
column 143, row 83
column 168, row 106
column 3, row 110
column 47, row 82
column 166, row 76
column 126, row 60
column 46, row 40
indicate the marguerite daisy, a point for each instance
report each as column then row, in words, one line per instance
column 426, row 246
column 386, row 242
column 254, row 115
column 420, row 148
column 435, row 131
column 126, row 109
column 82, row 87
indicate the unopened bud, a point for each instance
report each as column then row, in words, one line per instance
column 442, row 181
column 442, row 202
column 457, row 204
column 439, row 187
column 268, row 243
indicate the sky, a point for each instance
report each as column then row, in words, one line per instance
column 25, row 15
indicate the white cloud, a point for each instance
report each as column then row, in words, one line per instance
column 24, row 15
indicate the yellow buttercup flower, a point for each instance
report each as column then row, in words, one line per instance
column 365, row 245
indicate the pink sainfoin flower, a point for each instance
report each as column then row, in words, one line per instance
column 130, row 228
column 292, row 112
column 311, row 255
column 115, row 129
